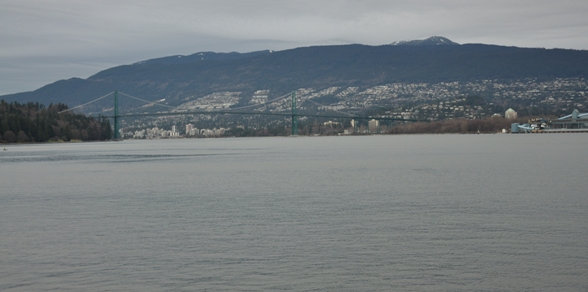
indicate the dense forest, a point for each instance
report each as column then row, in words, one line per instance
column 34, row 122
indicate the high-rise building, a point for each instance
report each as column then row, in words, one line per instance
column 189, row 128
column 174, row 132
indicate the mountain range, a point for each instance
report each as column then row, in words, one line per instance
column 437, row 59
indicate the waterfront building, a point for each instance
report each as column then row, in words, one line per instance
column 374, row 126
column 189, row 128
column 174, row 132
column 575, row 120
column 510, row 114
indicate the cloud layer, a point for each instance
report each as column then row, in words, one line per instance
column 44, row 41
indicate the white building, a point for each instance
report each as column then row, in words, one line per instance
column 331, row 124
column 174, row 132
column 189, row 129
column 510, row 114
column 373, row 126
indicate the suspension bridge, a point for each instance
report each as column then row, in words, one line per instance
column 249, row 110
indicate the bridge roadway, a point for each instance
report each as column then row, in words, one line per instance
column 251, row 113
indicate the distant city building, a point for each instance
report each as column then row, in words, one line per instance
column 139, row 134
column 213, row 132
column 373, row 126
column 189, row 129
column 260, row 96
column 510, row 114
column 331, row 124
column 174, row 132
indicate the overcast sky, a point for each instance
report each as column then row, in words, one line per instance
column 42, row 41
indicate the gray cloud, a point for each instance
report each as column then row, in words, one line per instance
column 44, row 41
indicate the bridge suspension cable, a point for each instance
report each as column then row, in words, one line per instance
column 262, row 104
column 145, row 100
column 87, row 103
column 285, row 97
column 316, row 103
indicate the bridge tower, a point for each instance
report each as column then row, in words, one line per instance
column 294, row 115
column 116, row 135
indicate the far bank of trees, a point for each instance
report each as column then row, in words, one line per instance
column 33, row 122
column 449, row 126
column 461, row 126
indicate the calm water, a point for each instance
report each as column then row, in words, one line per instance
column 381, row 213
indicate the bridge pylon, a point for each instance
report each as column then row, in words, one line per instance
column 294, row 115
column 116, row 134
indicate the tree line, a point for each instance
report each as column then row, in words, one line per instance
column 456, row 126
column 448, row 126
column 34, row 122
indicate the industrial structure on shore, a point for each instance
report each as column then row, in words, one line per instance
column 574, row 122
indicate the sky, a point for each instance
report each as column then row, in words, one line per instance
column 43, row 41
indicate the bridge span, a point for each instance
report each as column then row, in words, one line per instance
column 293, row 114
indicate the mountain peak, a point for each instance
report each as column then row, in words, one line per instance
column 431, row 41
